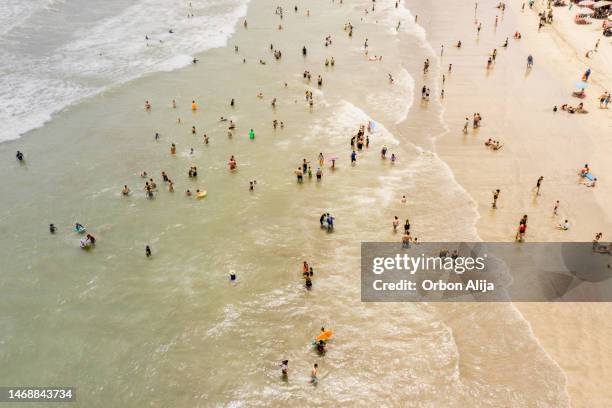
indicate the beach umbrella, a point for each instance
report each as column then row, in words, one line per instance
column 586, row 3
column 581, row 84
column 585, row 11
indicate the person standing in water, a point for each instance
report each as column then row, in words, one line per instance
column 313, row 374
column 148, row 251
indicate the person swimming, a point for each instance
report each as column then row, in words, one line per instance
column 232, row 275
column 126, row 190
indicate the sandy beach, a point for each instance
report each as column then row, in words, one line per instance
column 171, row 329
column 517, row 107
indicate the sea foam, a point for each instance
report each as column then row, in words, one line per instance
column 92, row 53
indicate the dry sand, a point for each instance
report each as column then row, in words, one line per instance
column 578, row 335
column 516, row 105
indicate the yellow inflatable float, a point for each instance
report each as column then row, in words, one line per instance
column 201, row 194
column 325, row 335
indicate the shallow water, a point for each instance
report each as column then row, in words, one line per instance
column 172, row 330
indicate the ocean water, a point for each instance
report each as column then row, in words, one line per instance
column 172, row 330
column 53, row 53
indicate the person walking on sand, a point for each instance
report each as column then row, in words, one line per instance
column 530, row 61
column 495, row 197
column 556, row 207
column 520, row 234
column 395, row 223
column 539, row 185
